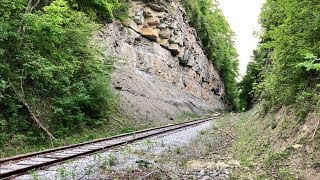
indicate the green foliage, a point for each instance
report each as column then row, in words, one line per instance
column 112, row 160
column 45, row 56
column 310, row 64
column 290, row 29
column 247, row 86
column 217, row 38
column 104, row 9
column 274, row 160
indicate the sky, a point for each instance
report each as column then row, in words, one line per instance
column 243, row 19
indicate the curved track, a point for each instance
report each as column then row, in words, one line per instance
column 18, row 165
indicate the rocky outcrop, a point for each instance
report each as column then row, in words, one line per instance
column 161, row 69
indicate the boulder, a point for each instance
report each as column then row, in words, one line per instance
column 153, row 21
column 174, row 49
column 162, row 26
column 297, row 146
column 212, row 85
column 147, row 12
column 176, row 32
column 165, row 33
column 185, row 58
column 204, row 94
column 216, row 91
column 207, row 77
column 191, row 60
column 169, row 20
column 156, row 7
column 176, row 40
column 180, row 41
column 140, row 27
column 164, row 43
column 150, row 33
column 138, row 20
column 196, row 68
column 173, row 25
column 164, row 19
column 131, row 24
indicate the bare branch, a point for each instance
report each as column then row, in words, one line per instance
column 315, row 131
column 35, row 5
column 32, row 115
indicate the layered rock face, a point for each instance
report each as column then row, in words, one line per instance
column 161, row 69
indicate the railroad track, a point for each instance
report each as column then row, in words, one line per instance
column 18, row 165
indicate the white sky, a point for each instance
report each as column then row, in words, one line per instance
column 243, row 19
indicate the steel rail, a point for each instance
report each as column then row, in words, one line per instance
column 82, row 149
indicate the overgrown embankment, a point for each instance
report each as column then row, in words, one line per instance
column 277, row 145
column 53, row 83
column 283, row 132
column 258, row 145
column 279, row 137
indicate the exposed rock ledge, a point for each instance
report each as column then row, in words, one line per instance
column 162, row 70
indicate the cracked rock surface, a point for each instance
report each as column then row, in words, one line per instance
column 161, row 69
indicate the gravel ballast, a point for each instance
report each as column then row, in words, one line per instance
column 129, row 157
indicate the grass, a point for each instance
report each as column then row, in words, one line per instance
column 188, row 115
column 112, row 160
column 263, row 142
column 62, row 173
column 178, row 150
column 275, row 160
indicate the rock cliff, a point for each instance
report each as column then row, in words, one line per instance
column 161, row 69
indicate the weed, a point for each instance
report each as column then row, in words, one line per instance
column 188, row 115
column 274, row 160
column 175, row 177
column 149, row 144
column 112, row 160
column 178, row 150
column 125, row 150
column 247, row 161
column 315, row 160
column 140, row 152
column 88, row 170
column 143, row 163
column 104, row 164
column 202, row 132
column 162, row 144
column 285, row 173
column 273, row 124
column 35, row 175
column 73, row 173
column 128, row 149
column 62, row 173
